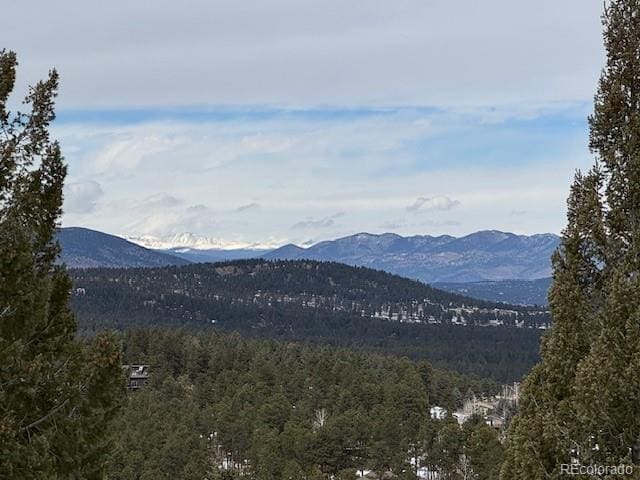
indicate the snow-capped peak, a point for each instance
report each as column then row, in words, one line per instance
column 193, row 241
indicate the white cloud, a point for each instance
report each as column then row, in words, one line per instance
column 310, row 223
column 249, row 207
column 304, row 52
column 322, row 223
column 495, row 71
column 159, row 201
column 441, row 223
column 393, row 225
column 402, row 226
column 311, row 164
column 81, row 197
column 430, row 204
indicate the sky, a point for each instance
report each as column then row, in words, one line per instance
column 274, row 121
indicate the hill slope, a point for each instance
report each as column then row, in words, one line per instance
column 85, row 248
column 518, row 292
column 321, row 302
column 481, row 256
column 195, row 255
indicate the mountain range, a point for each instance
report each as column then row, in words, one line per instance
column 192, row 241
column 85, row 248
column 196, row 255
column 491, row 265
column 482, row 256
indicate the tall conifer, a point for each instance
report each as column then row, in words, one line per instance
column 607, row 385
column 582, row 402
column 56, row 395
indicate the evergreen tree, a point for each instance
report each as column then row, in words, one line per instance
column 610, row 416
column 448, row 450
column 482, row 449
column 57, row 396
column 542, row 434
column 581, row 402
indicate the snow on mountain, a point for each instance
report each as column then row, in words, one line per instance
column 187, row 240
column 481, row 256
column 486, row 256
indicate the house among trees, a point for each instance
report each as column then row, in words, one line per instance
column 495, row 421
column 494, row 410
column 438, row 413
column 137, row 376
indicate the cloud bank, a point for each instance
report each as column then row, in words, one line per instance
column 258, row 121
column 81, row 197
column 281, row 175
column 429, row 204
column 301, row 53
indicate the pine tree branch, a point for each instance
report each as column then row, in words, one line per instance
column 44, row 418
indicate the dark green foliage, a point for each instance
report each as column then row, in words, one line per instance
column 276, row 410
column 367, row 289
column 287, row 409
column 448, row 449
column 581, row 402
column 56, row 395
column 483, row 449
column 311, row 301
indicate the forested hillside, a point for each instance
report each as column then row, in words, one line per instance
column 219, row 406
column 518, row 292
column 320, row 302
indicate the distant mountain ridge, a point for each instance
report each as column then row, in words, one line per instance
column 85, row 248
column 488, row 255
column 516, row 292
column 192, row 241
column 196, row 255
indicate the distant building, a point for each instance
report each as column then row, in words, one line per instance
column 460, row 417
column 491, row 409
column 437, row 413
column 495, row 421
column 137, row 376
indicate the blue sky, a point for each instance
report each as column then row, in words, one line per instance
column 259, row 123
